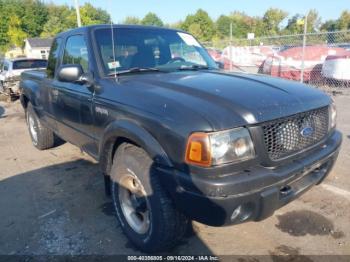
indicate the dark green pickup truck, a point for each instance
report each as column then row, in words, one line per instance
column 176, row 138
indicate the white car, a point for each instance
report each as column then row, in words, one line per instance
column 337, row 68
column 11, row 70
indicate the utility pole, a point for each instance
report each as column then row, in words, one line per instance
column 230, row 50
column 78, row 12
column 303, row 52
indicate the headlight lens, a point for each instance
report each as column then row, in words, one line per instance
column 332, row 115
column 207, row 149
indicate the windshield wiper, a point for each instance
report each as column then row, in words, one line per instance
column 134, row 70
column 193, row 67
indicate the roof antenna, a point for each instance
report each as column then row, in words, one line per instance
column 113, row 44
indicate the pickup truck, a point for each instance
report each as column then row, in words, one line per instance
column 11, row 70
column 178, row 139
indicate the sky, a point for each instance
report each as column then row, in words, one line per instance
column 171, row 11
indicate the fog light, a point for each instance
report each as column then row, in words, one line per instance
column 236, row 213
column 242, row 213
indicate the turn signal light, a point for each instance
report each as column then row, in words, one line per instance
column 198, row 150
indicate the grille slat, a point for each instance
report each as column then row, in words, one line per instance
column 289, row 135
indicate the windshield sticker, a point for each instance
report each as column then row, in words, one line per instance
column 113, row 65
column 188, row 39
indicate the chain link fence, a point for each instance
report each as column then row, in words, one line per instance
column 318, row 59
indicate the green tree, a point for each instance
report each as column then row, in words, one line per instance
column 3, row 27
column 241, row 24
column 35, row 15
column 313, row 23
column 329, row 25
column 200, row 24
column 61, row 18
column 292, row 26
column 52, row 27
column 15, row 33
column 176, row 25
column 344, row 20
column 152, row 19
column 223, row 26
column 132, row 20
column 91, row 15
column 272, row 20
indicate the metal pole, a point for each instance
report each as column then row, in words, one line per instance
column 78, row 12
column 303, row 52
column 231, row 36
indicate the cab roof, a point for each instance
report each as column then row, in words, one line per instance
column 86, row 29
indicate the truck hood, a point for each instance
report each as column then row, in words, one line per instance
column 226, row 100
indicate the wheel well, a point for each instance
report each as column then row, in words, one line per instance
column 110, row 150
column 24, row 101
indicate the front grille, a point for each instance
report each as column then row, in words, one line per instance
column 289, row 135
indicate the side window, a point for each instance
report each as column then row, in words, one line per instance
column 53, row 56
column 75, row 52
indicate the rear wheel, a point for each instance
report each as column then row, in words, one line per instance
column 146, row 213
column 42, row 137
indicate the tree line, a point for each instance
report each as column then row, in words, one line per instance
column 271, row 23
column 21, row 19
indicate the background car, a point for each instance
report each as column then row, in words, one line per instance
column 11, row 70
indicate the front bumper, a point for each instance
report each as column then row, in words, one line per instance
column 253, row 194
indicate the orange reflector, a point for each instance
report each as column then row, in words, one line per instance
column 198, row 150
column 195, row 151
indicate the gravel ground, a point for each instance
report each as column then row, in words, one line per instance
column 52, row 203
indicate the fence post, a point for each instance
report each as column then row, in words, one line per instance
column 303, row 52
column 231, row 33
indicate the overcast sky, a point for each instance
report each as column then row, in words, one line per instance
column 174, row 10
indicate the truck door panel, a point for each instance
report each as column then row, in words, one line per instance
column 73, row 109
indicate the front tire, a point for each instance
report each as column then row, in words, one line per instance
column 146, row 213
column 42, row 137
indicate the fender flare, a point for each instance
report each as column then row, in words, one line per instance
column 131, row 131
column 29, row 91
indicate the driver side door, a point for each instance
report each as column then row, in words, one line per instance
column 74, row 101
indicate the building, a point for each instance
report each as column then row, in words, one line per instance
column 14, row 52
column 37, row 47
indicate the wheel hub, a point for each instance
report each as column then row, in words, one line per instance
column 33, row 128
column 133, row 202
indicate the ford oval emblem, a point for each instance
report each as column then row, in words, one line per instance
column 307, row 131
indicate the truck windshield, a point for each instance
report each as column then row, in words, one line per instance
column 28, row 64
column 150, row 48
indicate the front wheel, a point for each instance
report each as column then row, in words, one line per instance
column 146, row 213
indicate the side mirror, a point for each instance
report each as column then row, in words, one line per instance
column 220, row 65
column 70, row 73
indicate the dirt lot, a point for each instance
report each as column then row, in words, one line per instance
column 53, row 202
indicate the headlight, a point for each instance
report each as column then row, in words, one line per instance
column 208, row 149
column 332, row 115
